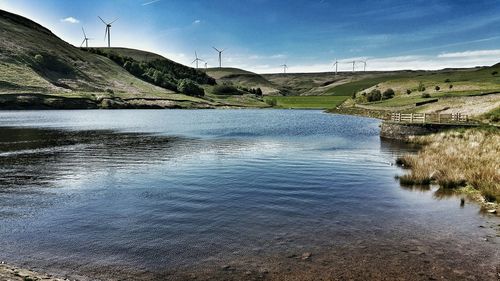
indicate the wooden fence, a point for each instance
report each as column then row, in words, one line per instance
column 429, row 118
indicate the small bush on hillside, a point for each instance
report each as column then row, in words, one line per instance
column 447, row 81
column 494, row 73
column 353, row 96
column 39, row 58
column 109, row 91
column 388, row 94
column 421, row 87
column 272, row 102
column 450, row 87
column 426, row 95
column 226, row 89
column 47, row 62
column 437, row 88
column 374, row 95
column 190, row 88
column 258, row 92
column 408, row 91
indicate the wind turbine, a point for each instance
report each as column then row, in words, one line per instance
column 108, row 30
column 206, row 65
column 285, row 67
column 353, row 65
column 85, row 39
column 364, row 63
column 196, row 59
column 336, row 65
column 220, row 55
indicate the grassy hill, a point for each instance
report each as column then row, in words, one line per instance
column 474, row 91
column 39, row 70
column 243, row 78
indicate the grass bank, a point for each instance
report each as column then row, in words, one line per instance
column 306, row 102
column 464, row 161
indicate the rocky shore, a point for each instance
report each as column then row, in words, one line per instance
column 12, row 273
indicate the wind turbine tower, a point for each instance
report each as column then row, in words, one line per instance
column 353, row 66
column 220, row 55
column 364, row 65
column 336, row 64
column 107, row 33
column 85, row 39
column 285, row 67
column 196, row 60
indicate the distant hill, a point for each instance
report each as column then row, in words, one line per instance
column 240, row 77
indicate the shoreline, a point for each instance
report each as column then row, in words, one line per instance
column 14, row 273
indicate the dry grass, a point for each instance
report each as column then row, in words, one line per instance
column 469, row 158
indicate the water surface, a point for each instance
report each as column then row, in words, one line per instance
column 241, row 193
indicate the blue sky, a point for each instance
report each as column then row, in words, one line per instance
column 260, row 35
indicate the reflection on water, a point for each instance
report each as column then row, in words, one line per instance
column 97, row 195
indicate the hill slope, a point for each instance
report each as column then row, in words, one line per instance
column 39, row 70
column 474, row 91
column 243, row 78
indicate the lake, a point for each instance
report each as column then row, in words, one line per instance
column 226, row 194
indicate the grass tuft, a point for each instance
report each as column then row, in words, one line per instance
column 456, row 159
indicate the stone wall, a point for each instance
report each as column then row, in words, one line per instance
column 401, row 131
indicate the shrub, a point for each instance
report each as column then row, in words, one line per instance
column 47, row 62
column 353, row 96
column 426, row 95
column 109, row 91
column 447, row 81
column 421, row 87
column 451, row 86
column 190, row 88
column 437, row 88
column 272, row 102
column 39, row 58
column 494, row 73
column 374, row 95
column 226, row 89
column 258, row 92
column 388, row 94
column 408, row 91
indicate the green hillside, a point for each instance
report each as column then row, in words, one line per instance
column 39, row 70
column 474, row 91
column 243, row 78
column 34, row 60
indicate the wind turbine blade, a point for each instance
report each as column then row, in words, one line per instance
column 82, row 43
column 105, row 33
column 114, row 21
column 195, row 55
column 84, row 35
column 102, row 20
column 216, row 49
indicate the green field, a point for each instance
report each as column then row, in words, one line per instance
column 353, row 87
column 318, row 102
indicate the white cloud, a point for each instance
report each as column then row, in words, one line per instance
column 414, row 62
column 150, row 2
column 479, row 53
column 197, row 22
column 71, row 20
